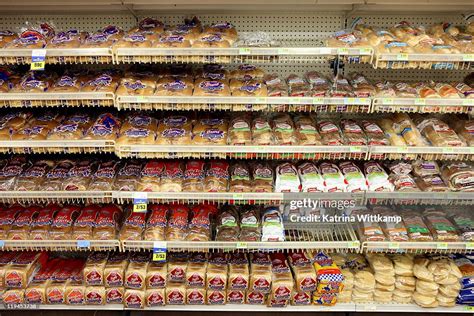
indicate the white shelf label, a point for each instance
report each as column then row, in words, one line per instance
column 38, row 59
column 2, row 243
column 83, row 244
column 159, row 251
column 241, row 245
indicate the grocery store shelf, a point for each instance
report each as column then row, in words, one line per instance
column 299, row 236
column 339, row 307
column 421, row 198
column 57, row 146
column 417, row 247
column 242, row 152
column 306, row 104
column 60, row 245
column 409, row 308
column 424, row 61
column 60, row 307
column 427, row 153
column 55, row 196
column 422, row 105
column 233, row 198
column 57, row 99
column 12, row 56
column 297, row 52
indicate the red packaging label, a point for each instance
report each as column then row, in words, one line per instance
column 196, row 280
column 134, row 281
column 216, row 283
column 134, row 301
column 94, row 278
column 195, row 297
column 177, row 274
column 282, row 293
column 175, row 297
column 75, row 297
column 308, row 284
column 114, row 279
column 114, row 296
column 56, row 297
column 301, row 298
column 156, row 280
column 155, row 299
column 261, row 284
column 12, row 298
column 235, row 297
column 33, row 296
column 255, row 298
column 239, row 283
column 94, row 298
column 13, row 280
column 215, row 298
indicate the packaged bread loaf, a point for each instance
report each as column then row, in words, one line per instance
column 128, row 176
column 61, row 227
column 57, row 175
column 441, row 228
column 94, row 268
column 377, row 178
column 135, row 274
column 138, row 129
column 464, row 129
column 106, row 224
column 10, row 172
column 85, row 222
column 211, row 40
column 375, row 135
column 173, row 176
column 330, row 133
column 458, row 175
column 392, row 135
column 6, row 37
column 80, row 175
column 247, row 72
column 212, row 131
column 155, row 297
column 151, row 176
column 194, row 175
column 216, row 177
column 283, row 129
column 114, row 269
column 239, row 131
column 333, row 178
column 438, row 133
column 133, row 86
column 156, row 223
column 177, row 222
column 227, row 224
column 103, row 179
column 156, row 275
column 306, row 132
column 174, row 130
column 134, row 299
column 169, row 86
column 416, row 227
column 20, row 228
column 105, row 127
column 353, row 176
column 175, row 294
column 262, row 131
column 404, row 126
column 19, row 273
column 114, row 295
column 95, row 295
column 248, row 88
column 207, row 87
column 102, row 82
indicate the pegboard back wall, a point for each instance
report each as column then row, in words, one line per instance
column 388, row 19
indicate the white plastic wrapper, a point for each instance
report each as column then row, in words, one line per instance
column 310, row 177
column 377, row 178
column 287, row 179
column 354, row 177
column 272, row 225
column 333, row 178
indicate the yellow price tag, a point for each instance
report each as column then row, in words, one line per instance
column 402, row 149
column 38, row 65
column 159, row 256
column 318, row 101
column 469, row 308
column 237, row 196
column 353, row 244
column 442, row 245
column 140, row 208
column 343, row 51
column 244, row 51
column 355, row 149
column 394, row 245
column 420, row 101
column 470, row 245
column 448, row 150
column 365, row 51
column 468, row 57
column 402, row 56
column 241, row 245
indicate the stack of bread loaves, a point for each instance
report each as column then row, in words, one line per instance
column 364, row 281
column 404, row 279
column 384, row 273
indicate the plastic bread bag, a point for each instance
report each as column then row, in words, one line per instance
column 102, row 82
column 173, row 176
column 330, row 133
column 151, row 176
column 341, row 87
column 103, row 179
column 298, row 87
column 73, row 127
column 441, row 228
column 105, row 127
column 207, row 87
column 6, row 37
column 20, row 227
column 272, row 225
column 399, row 167
column 177, row 228
column 106, row 223
column 98, row 40
column 61, row 227
column 217, row 176
column 41, row 226
column 133, row 86
column 156, row 223
column 58, row 175
column 227, row 224
column 394, row 138
column 10, row 172
column 439, row 133
column 174, row 129
column 248, row 88
column 213, row 71
column 247, row 72
column 194, row 175
column 256, row 39
column 353, row 133
column 128, row 176
column 464, row 129
column 404, row 182
column 404, row 126
column 319, row 84
column 306, row 132
column 200, row 224
column 404, row 90
column 169, row 86
column 68, row 82
column 32, row 178
column 240, row 177
column 133, row 226
column 464, row 223
column 464, row 89
column 370, row 230
column 283, row 129
column 240, row 131
column 135, row 274
column 425, row 168
column 212, row 131
column 263, row 177
column 250, row 225
column 458, row 175
column 333, row 178
column 377, row 178
column 138, row 129
column 310, row 177
column 362, row 87
column 80, row 176
column 287, row 179
column 353, row 176
column 431, row 183
column 416, row 227
column 85, row 222
column 262, row 133
column 384, row 90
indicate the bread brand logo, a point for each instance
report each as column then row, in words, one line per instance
column 157, row 281
column 33, row 296
column 56, row 297
column 301, row 298
column 212, row 38
column 133, row 301
column 196, row 298
column 64, row 128
column 195, row 280
column 114, row 296
column 114, row 279
column 135, row 86
column 75, row 297
column 148, row 23
column 175, row 120
column 236, row 296
column 282, row 293
column 255, row 298
column 216, row 283
column 173, row 132
column 136, row 37
column 137, row 132
column 134, row 280
column 247, row 67
column 63, row 37
column 66, row 81
column 111, row 30
column 177, row 274
column 34, row 130
column 6, row 33
column 222, row 26
column 250, row 88
column 29, row 37
column 211, row 86
column 94, row 297
column 239, row 283
column 103, row 80
column 212, row 134
column 94, row 278
column 155, row 299
column 261, row 284
column 308, row 284
column 216, row 298
column 214, row 75
column 101, row 130
column 97, row 38
column 175, row 85
column 12, row 298
column 13, row 279
column 176, row 297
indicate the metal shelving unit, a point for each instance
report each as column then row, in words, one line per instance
column 424, row 61
column 57, row 99
column 60, row 245
column 417, row 247
column 19, row 56
column 57, row 146
column 55, row 196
